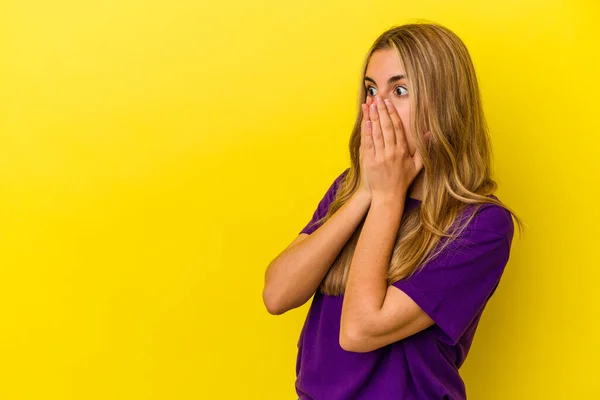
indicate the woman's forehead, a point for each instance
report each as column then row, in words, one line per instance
column 384, row 64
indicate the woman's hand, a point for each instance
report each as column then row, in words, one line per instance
column 364, row 182
column 388, row 165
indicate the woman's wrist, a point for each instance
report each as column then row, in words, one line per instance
column 363, row 196
column 388, row 199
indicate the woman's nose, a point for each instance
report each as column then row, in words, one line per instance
column 382, row 98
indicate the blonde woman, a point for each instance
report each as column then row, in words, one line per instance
column 408, row 244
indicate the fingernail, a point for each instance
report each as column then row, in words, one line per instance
column 378, row 99
column 373, row 108
column 387, row 103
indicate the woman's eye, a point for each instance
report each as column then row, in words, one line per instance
column 401, row 91
column 369, row 92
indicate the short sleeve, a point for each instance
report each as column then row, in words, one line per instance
column 324, row 204
column 454, row 287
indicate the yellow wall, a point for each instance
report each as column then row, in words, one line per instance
column 155, row 156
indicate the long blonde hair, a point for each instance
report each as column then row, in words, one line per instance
column 444, row 100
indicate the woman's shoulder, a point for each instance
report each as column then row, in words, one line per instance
column 491, row 218
column 342, row 176
column 338, row 181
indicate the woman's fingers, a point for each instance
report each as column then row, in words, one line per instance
column 367, row 149
column 376, row 133
column 398, row 128
column 367, row 141
column 365, row 116
column 363, row 128
column 387, row 127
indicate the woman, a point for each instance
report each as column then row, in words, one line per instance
column 409, row 243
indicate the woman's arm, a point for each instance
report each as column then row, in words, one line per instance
column 374, row 314
column 293, row 277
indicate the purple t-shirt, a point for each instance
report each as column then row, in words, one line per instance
column 452, row 289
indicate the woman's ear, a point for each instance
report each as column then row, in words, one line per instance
column 427, row 136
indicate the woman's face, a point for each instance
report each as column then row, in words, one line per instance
column 386, row 77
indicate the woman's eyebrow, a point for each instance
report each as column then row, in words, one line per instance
column 390, row 81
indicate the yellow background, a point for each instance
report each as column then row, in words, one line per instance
column 156, row 156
